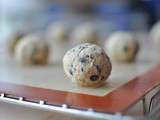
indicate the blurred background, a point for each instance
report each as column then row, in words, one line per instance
column 110, row 15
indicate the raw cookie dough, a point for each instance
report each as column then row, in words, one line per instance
column 58, row 32
column 155, row 34
column 31, row 50
column 121, row 46
column 87, row 64
column 85, row 33
column 12, row 41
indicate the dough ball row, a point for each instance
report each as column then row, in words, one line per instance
column 84, row 33
column 86, row 64
column 33, row 49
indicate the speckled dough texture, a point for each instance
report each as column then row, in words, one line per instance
column 87, row 65
column 31, row 50
column 122, row 46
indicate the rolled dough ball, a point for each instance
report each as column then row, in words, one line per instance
column 31, row 50
column 12, row 41
column 58, row 32
column 122, row 46
column 85, row 34
column 87, row 64
column 155, row 34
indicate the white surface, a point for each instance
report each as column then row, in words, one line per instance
column 14, row 112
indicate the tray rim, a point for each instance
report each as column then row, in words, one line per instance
column 119, row 100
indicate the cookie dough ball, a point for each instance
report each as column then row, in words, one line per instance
column 12, row 40
column 155, row 34
column 58, row 32
column 121, row 46
column 87, row 64
column 31, row 50
column 85, row 34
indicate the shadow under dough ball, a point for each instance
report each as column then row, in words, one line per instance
column 122, row 46
column 87, row 65
column 31, row 50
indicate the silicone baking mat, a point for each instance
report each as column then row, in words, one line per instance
column 53, row 77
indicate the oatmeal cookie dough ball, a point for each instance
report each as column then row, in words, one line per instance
column 155, row 34
column 12, row 40
column 32, row 50
column 87, row 65
column 58, row 32
column 85, row 33
column 122, row 46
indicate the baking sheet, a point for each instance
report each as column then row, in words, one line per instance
column 53, row 77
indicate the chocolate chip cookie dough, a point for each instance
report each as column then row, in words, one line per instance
column 12, row 40
column 87, row 65
column 85, row 33
column 31, row 50
column 58, row 32
column 122, row 46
